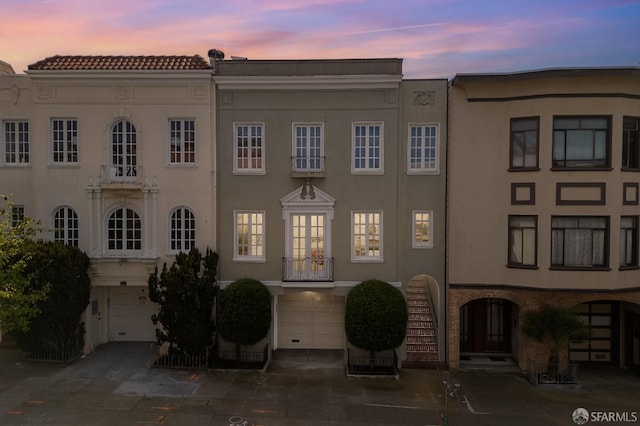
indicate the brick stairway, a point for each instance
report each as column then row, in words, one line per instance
column 422, row 336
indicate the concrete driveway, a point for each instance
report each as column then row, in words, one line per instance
column 116, row 386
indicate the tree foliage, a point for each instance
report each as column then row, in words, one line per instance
column 555, row 327
column 244, row 313
column 186, row 294
column 18, row 299
column 375, row 316
column 65, row 271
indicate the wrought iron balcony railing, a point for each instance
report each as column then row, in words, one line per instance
column 120, row 173
column 307, row 269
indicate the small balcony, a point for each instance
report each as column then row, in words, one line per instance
column 307, row 167
column 307, row 269
column 121, row 176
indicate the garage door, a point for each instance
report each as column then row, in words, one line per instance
column 130, row 313
column 310, row 320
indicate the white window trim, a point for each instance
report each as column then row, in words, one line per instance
column 423, row 170
column 195, row 142
column 367, row 259
column 249, row 258
column 3, row 140
column 124, row 252
column 249, row 171
column 64, row 163
column 293, row 142
column 169, row 240
column 52, row 223
column 366, row 170
column 421, row 245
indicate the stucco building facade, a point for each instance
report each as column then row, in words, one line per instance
column 543, row 208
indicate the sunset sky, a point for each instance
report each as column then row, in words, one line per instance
column 436, row 38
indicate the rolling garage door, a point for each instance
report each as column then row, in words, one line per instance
column 310, row 320
column 130, row 313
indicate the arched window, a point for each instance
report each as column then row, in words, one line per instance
column 65, row 226
column 124, row 231
column 124, row 160
column 182, row 230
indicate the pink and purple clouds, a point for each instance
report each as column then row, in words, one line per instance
column 436, row 38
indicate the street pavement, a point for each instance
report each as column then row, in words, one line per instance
column 116, row 386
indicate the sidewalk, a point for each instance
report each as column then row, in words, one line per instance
column 117, row 386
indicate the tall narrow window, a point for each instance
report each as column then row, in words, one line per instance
column 367, row 148
column 366, row 243
column 523, row 241
column 124, row 231
column 182, row 229
column 629, row 242
column 581, row 142
column 579, row 242
column 182, row 142
column 64, row 140
column 16, row 142
column 630, row 142
column 422, row 229
column 249, row 236
column 308, row 149
column 249, row 148
column 423, row 148
column 17, row 214
column 524, row 143
column 124, row 151
column 65, row 226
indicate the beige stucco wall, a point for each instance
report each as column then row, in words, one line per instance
column 480, row 183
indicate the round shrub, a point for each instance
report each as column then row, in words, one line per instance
column 375, row 316
column 244, row 312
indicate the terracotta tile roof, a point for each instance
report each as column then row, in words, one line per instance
column 121, row 63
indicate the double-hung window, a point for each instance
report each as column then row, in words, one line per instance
column 423, row 148
column 17, row 215
column 368, row 148
column 524, row 143
column 629, row 242
column 64, row 141
column 65, row 226
column 581, row 142
column 249, row 236
column 182, row 142
column 366, row 237
column 523, row 244
column 248, row 155
column 16, row 142
column 580, row 242
column 631, row 143
column 308, row 147
column 422, row 229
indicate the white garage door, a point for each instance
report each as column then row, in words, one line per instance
column 130, row 313
column 310, row 320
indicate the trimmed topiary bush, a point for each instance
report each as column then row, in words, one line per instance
column 244, row 313
column 375, row 316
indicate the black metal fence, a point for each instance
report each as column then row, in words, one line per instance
column 384, row 365
column 53, row 355
column 540, row 373
column 248, row 359
column 197, row 361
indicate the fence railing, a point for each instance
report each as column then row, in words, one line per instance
column 379, row 365
column 307, row 269
column 545, row 373
column 248, row 359
column 197, row 361
column 307, row 164
column 57, row 356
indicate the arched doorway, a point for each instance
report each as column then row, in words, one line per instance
column 488, row 325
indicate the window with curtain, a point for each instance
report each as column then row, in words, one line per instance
column 579, row 241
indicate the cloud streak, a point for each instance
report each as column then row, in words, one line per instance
column 437, row 38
